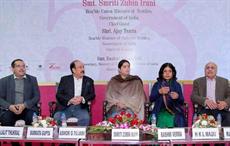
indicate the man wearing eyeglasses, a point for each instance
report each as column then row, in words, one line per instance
column 212, row 94
column 19, row 95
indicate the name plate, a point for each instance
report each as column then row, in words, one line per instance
column 125, row 134
column 11, row 132
column 37, row 132
column 168, row 134
column 74, row 133
column 205, row 133
column 227, row 133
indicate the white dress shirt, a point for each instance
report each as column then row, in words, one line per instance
column 211, row 89
column 77, row 86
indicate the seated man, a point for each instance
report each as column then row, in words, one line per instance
column 19, row 95
column 74, row 91
column 212, row 94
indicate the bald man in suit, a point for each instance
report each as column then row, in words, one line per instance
column 212, row 94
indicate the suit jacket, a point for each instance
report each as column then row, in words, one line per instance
column 66, row 91
column 7, row 92
column 200, row 88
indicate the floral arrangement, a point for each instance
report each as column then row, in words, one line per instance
column 122, row 120
column 149, row 130
column 44, row 122
column 125, row 120
column 205, row 121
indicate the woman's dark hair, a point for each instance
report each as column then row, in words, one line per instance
column 122, row 62
column 161, row 71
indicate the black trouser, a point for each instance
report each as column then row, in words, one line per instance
column 9, row 118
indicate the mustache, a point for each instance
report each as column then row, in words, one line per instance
column 83, row 72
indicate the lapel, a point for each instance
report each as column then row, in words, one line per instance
column 71, row 85
column 83, row 86
column 204, row 86
column 26, row 87
column 12, row 89
column 216, row 88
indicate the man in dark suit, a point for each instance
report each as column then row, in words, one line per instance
column 74, row 92
column 19, row 95
column 212, row 94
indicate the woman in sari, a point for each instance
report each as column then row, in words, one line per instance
column 168, row 98
column 125, row 93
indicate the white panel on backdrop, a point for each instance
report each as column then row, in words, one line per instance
column 49, row 34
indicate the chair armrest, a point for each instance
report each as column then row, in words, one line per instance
column 52, row 107
column 39, row 105
column 185, row 106
column 148, row 110
column 104, row 109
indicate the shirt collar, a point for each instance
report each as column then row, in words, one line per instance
column 208, row 79
column 15, row 77
column 77, row 78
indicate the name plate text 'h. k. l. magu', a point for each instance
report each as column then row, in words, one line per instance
column 205, row 133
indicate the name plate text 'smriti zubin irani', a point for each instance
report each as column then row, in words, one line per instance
column 125, row 134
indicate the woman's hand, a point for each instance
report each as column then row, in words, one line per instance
column 174, row 95
column 121, row 105
column 164, row 90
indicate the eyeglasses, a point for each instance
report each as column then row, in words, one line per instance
column 210, row 67
column 19, row 66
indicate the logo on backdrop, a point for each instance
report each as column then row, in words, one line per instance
column 54, row 66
